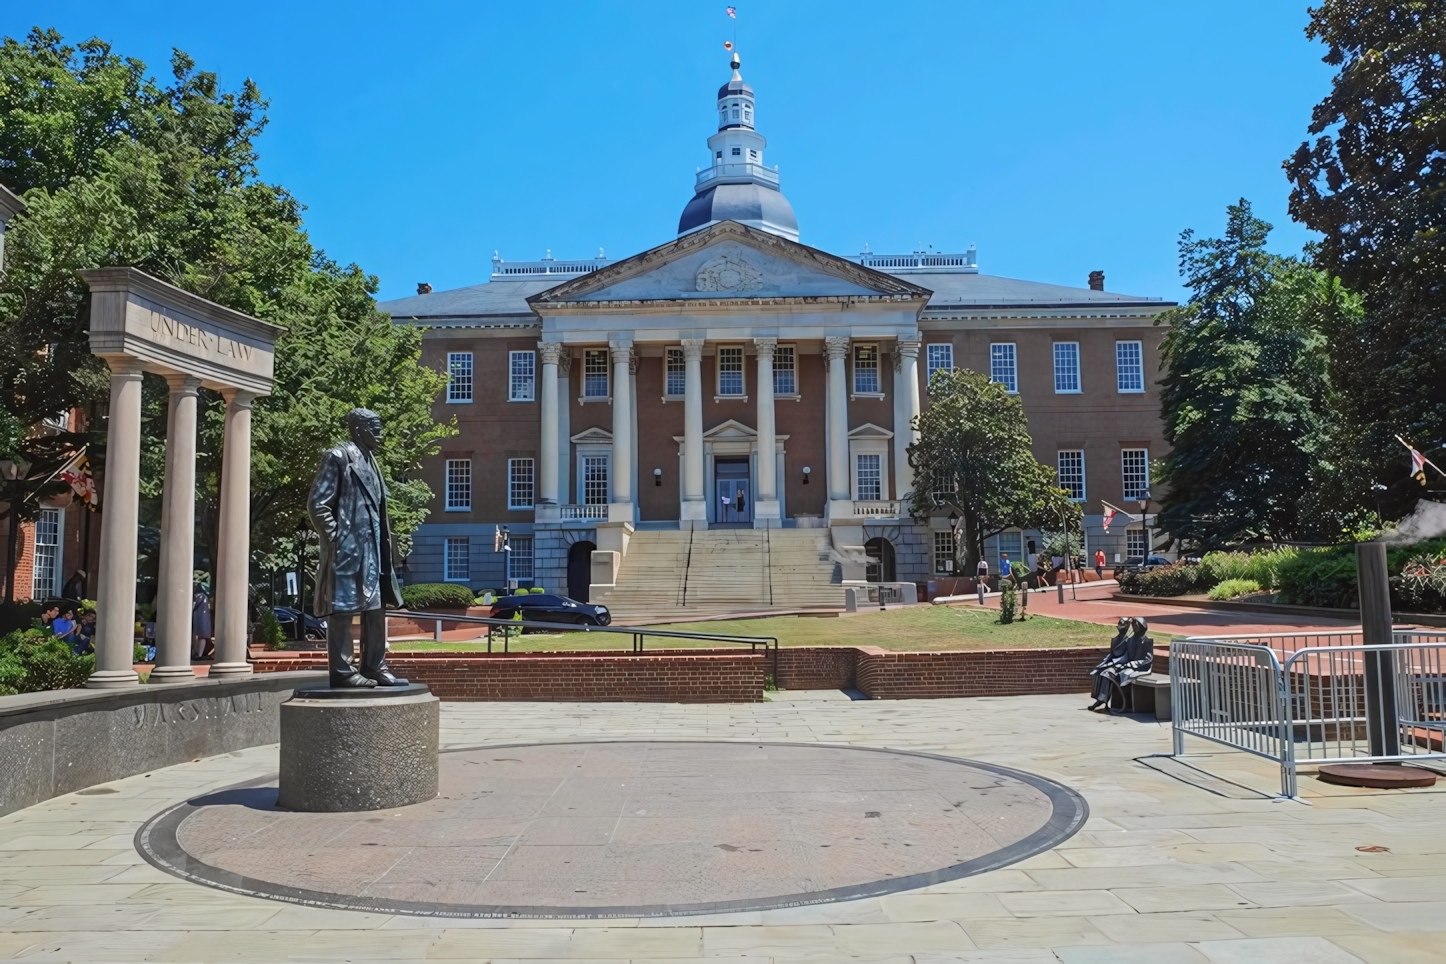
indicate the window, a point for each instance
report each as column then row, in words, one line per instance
column 1135, row 544
column 519, row 483
column 519, row 560
column 523, row 368
column 595, row 373
column 870, row 479
column 719, row 154
column 866, row 369
column 1013, row 544
column 730, row 371
column 944, row 489
column 459, row 485
column 943, row 552
column 1002, row 367
column 937, row 358
column 1130, row 366
column 752, row 154
column 785, row 371
column 747, row 115
column 457, row 559
column 737, row 150
column 46, row 579
column 459, row 376
column 595, row 480
column 675, row 373
column 1135, row 470
column 1071, row 473
column 1066, row 367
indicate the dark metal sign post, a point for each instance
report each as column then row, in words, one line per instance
column 1382, row 727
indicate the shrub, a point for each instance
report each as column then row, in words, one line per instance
column 1261, row 567
column 1008, row 604
column 268, row 632
column 436, row 595
column 1422, row 583
column 32, row 660
column 1217, row 567
column 1327, row 577
column 1176, row 579
column 1231, row 588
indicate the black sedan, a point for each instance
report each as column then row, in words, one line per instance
column 550, row 608
column 286, row 616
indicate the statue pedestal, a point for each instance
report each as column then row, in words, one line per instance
column 352, row 749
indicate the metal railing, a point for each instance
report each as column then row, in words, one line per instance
column 508, row 628
column 746, row 170
column 1301, row 700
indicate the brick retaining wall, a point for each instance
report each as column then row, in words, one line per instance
column 885, row 675
column 817, row 667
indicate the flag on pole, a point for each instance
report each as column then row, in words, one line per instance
column 733, row 12
column 81, row 482
column 1109, row 517
column 1418, row 462
column 727, row 45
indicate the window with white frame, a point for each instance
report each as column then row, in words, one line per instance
column 730, row 370
column 45, row 580
column 1066, row 368
column 866, row 369
column 1013, row 544
column 944, row 489
column 520, row 483
column 595, row 373
column 1130, row 366
column 675, row 373
column 519, row 560
column 1135, row 544
column 937, row 358
column 1135, row 471
column 869, row 477
column 457, row 559
column 1003, row 367
column 944, row 552
column 595, row 479
column 522, row 367
column 1071, row 473
column 459, row 485
column 785, row 370
column 459, row 376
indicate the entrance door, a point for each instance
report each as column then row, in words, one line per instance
column 579, row 570
column 733, row 495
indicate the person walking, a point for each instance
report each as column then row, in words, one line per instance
column 981, row 573
column 1100, row 563
column 202, row 646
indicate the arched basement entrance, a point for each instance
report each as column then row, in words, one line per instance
column 579, row 570
column 881, row 560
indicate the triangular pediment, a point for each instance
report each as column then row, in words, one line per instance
column 729, row 261
column 594, row 436
column 730, row 429
column 870, row 430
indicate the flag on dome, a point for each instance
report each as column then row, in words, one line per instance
column 733, row 12
column 727, row 45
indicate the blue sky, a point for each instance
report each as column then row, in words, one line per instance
column 1060, row 137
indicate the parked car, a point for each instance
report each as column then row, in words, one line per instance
column 286, row 616
column 1136, row 564
column 551, row 608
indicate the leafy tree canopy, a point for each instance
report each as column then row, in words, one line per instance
column 973, row 458
column 1373, row 182
column 1245, row 387
column 117, row 169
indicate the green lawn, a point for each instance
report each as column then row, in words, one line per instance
column 932, row 628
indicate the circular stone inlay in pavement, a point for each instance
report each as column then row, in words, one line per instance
column 628, row 829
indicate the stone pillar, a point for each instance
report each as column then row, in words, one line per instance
column 695, row 508
column 766, row 509
column 634, row 469
column 906, row 390
column 115, row 599
column 564, row 427
column 840, row 488
column 178, row 536
column 233, row 537
column 547, row 468
column 622, row 467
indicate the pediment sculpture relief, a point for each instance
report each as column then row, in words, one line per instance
column 728, row 273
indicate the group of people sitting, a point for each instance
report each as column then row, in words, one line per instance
column 1132, row 654
column 59, row 618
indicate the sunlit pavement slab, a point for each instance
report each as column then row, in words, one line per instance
column 1175, row 863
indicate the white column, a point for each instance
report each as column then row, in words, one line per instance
column 622, row 467
column 178, row 535
column 695, row 507
column 633, row 446
column 233, row 537
column 115, row 600
column 766, row 511
column 840, row 488
column 547, row 455
column 564, row 427
column 906, row 389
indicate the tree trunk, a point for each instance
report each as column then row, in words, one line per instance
column 969, row 529
column 11, row 542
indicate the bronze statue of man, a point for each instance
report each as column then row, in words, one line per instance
column 348, row 507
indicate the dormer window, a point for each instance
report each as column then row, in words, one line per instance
column 720, row 155
column 752, row 154
column 737, row 151
column 735, row 113
column 747, row 115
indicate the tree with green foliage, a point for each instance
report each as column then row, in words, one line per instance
column 974, row 459
column 1245, row 388
column 1373, row 182
column 117, row 169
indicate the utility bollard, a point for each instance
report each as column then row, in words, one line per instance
column 980, row 587
column 437, row 632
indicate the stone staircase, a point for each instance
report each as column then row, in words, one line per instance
column 706, row 573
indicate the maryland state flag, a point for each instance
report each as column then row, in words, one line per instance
column 1418, row 466
column 77, row 475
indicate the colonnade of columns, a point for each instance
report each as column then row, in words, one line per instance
column 116, row 592
column 622, row 487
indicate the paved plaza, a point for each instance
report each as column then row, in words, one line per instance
column 1177, row 861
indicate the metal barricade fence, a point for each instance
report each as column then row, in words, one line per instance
column 1316, row 707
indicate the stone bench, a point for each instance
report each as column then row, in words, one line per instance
column 1149, row 694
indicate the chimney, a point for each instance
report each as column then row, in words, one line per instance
column 1097, row 281
column 425, row 289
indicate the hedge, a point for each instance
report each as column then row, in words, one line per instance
column 437, row 595
column 1327, row 577
column 1176, row 579
column 32, row 660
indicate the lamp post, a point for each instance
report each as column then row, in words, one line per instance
column 1144, row 503
column 301, row 534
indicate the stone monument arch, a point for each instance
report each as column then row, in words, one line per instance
column 138, row 324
